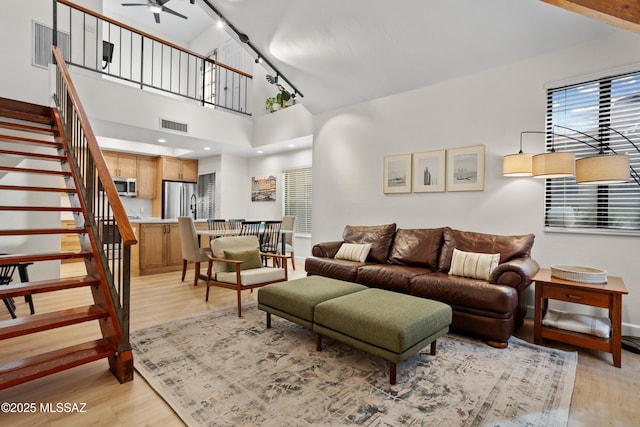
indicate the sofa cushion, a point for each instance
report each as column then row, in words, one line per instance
column 330, row 267
column 417, row 247
column 380, row 237
column 465, row 292
column 473, row 265
column 391, row 277
column 509, row 247
column 354, row 251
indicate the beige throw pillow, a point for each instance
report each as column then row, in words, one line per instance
column 473, row 265
column 354, row 251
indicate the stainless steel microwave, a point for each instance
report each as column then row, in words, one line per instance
column 126, row 186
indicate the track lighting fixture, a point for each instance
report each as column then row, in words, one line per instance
column 271, row 79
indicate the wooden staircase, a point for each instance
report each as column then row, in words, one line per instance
column 34, row 135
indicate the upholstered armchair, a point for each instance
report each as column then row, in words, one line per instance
column 236, row 263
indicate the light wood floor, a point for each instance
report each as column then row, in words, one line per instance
column 603, row 395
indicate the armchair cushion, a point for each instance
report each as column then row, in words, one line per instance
column 250, row 258
column 253, row 276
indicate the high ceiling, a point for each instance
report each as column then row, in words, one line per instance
column 343, row 52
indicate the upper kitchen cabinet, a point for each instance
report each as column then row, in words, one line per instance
column 176, row 169
column 146, row 177
column 121, row 165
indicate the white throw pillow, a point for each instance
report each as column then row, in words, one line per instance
column 473, row 265
column 354, row 251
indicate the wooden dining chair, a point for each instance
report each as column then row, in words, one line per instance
column 191, row 250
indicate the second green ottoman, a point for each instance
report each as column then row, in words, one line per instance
column 387, row 324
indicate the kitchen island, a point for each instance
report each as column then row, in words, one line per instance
column 159, row 249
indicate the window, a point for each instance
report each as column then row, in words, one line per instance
column 297, row 197
column 207, row 196
column 591, row 109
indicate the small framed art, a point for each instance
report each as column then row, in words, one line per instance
column 397, row 174
column 465, row 168
column 428, row 171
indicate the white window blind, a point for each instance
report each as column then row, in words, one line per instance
column 297, row 197
column 607, row 110
column 206, row 196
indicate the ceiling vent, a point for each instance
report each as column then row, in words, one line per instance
column 174, row 126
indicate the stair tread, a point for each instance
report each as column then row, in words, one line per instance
column 50, row 256
column 41, row 208
column 34, row 188
column 19, row 371
column 51, row 320
column 38, row 156
column 42, row 286
column 28, row 128
column 34, row 231
column 22, row 139
column 32, row 170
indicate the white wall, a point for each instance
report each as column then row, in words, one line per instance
column 490, row 108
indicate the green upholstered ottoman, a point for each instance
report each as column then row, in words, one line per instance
column 295, row 300
column 387, row 324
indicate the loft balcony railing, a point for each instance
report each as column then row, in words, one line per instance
column 100, row 44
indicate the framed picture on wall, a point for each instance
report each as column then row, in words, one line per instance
column 397, row 174
column 263, row 189
column 428, row 171
column 465, row 168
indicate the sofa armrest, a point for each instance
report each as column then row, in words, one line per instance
column 516, row 273
column 326, row 249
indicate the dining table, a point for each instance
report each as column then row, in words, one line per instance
column 214, row 234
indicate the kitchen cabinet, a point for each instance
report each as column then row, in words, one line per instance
column 176, row 169
column 121, row 165
column 158, row 249
column 146, row 177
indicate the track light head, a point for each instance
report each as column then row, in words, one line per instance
column 271, row 79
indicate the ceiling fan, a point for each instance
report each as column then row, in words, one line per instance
column 157, row 6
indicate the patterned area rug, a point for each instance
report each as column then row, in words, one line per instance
column 218, row 369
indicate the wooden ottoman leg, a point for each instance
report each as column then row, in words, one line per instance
column 433, row 348
column 268, row 320
column 392, row 373
column 318, row 342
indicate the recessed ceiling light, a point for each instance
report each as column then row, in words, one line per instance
column 207, row 148
column 162, row 140
column 291, row 145
column 220, row 24
column 260, row 151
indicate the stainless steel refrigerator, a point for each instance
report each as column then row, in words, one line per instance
column 179, row 199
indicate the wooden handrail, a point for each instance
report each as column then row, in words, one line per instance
column 119, row 213
column 149, row 36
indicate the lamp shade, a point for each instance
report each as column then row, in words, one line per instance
column 603, row 169
column 553, row 165
column 519, row 164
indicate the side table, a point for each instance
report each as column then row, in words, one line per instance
column 606, row 295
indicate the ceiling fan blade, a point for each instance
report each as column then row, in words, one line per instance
column 173, row 12
column 157, row 16
column 134, row 4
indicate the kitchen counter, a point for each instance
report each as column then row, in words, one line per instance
column 152, row 220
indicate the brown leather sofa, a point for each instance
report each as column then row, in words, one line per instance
column 417, row 262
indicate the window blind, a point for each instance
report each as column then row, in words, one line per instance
column 607, row 110
column 297, row 197
column 206, row 196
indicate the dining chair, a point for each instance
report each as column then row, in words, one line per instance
column 270, row 236
column 235, row 223
column 191, row 250
column 251, row 228
column 216, row 224
column 235, row 263
column 288, row 225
